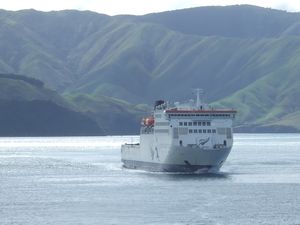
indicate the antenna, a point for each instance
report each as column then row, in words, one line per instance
column 199, row 93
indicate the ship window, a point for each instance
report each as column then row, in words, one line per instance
column 209, row 131
column 203, row 123
column 185, row 123
column 200, row 131
column 183, row 131
column 204, row 131
column 208, row 123
column 190, row 131
column 199, row 123
column 194, row 123
column 214, row 131
column 190, row 123
column 180, row 123
column 195, row 131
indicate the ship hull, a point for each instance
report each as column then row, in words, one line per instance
column 161, row 167
column 176, row 159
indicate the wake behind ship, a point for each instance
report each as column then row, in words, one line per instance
column 185, row 138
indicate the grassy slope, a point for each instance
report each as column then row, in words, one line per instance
column 114, row 116
column 238, row 21
column 272, row 99
column 18, row 89
column 29, row 109
column 38, row 43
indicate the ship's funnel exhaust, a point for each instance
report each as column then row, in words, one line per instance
column 158, row 103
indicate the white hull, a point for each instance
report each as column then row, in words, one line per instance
column 176, row 159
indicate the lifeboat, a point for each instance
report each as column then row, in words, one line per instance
column 148, row 121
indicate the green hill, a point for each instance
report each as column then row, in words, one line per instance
column 113, row 115
column 29, row 109
column 240, row 21
column 245, row 57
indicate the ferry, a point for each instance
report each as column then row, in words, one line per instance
column 188, row 137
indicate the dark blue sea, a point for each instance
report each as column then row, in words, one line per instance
column 80, row 180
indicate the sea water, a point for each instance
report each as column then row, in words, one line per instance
column 80, row 180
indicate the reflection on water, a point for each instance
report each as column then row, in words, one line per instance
column 189, row 176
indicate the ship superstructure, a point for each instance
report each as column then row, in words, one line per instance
column 184, row 138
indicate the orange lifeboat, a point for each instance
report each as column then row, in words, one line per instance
column 148, row 121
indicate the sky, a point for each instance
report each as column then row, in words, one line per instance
column 139, row 7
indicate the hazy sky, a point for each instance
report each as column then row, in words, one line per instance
column 138, row 7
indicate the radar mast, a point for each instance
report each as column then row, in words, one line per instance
column 199, row 94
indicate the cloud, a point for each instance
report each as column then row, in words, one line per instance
column 40, row 5
column 138, row 7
